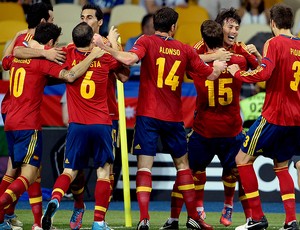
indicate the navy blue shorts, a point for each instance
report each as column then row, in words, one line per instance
column 201, row 150
column 84, row 141
column 25, row 147
column 272, row 141
column 147, row 131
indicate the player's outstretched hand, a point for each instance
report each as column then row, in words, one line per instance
column 113, row 34
column 97, row 39
column 232, row 69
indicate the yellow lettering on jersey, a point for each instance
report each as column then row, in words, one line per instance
column 169, row 51
column 24, row 61
column 74, row 62
column 295, row 52
column 95, row 64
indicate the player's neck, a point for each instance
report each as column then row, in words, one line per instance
column 162, row 34
column 285, row 32
column 84, row 49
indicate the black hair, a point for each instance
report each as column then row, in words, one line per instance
column 99, row 13
column 164, row 18
column 261, row 7
column 226, row 14
column 82, row 35
column 36, row 13
column 282, row 15
column 212, row 34
column 146, row 19
column 44, row 32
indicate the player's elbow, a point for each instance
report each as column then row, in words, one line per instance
column 67, row 76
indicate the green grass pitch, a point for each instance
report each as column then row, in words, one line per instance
column 116, row 219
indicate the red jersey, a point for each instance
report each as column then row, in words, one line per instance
column 87, row 96
column 280, row 69
column 163, row 64
column 111, row 90
column 27, row 82
column 218, row 107
column 21, row 40
column 237, row 48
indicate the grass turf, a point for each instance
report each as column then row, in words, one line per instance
column 116, row 219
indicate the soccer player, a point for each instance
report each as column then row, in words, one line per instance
column 23, row 121
column 93, row 16
column 217, row 126
column 230, row 22
column 275, row 134
column 89, row 130
column 159, row 111
column 39, row 12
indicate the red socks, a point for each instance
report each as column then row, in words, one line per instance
column 250, row 185
column 102, row 194
column 287, row 192
column 143, row 191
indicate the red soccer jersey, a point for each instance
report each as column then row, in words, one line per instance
column 164, row 62
column 237, row 48
column 20, row 41
column 218, row 107
column 87, row 96
column 111, row 90
column 281, row 69
column 27, row 82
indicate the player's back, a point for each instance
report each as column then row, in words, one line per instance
column 27, row 84
column 22, row 40
column 218, row 108
column 282, row 103
column 87, row 96
column 164, row 62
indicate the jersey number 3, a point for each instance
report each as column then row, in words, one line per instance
column 294, row 84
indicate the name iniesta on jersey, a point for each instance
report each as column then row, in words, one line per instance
column 93, row 64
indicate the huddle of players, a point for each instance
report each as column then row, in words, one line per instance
column 217, row 128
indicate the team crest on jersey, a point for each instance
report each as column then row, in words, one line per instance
column 67, row 161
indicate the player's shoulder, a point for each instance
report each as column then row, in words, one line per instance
column 238, row 59
column 200, row 44
column 23, row 39
column 240, row 45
